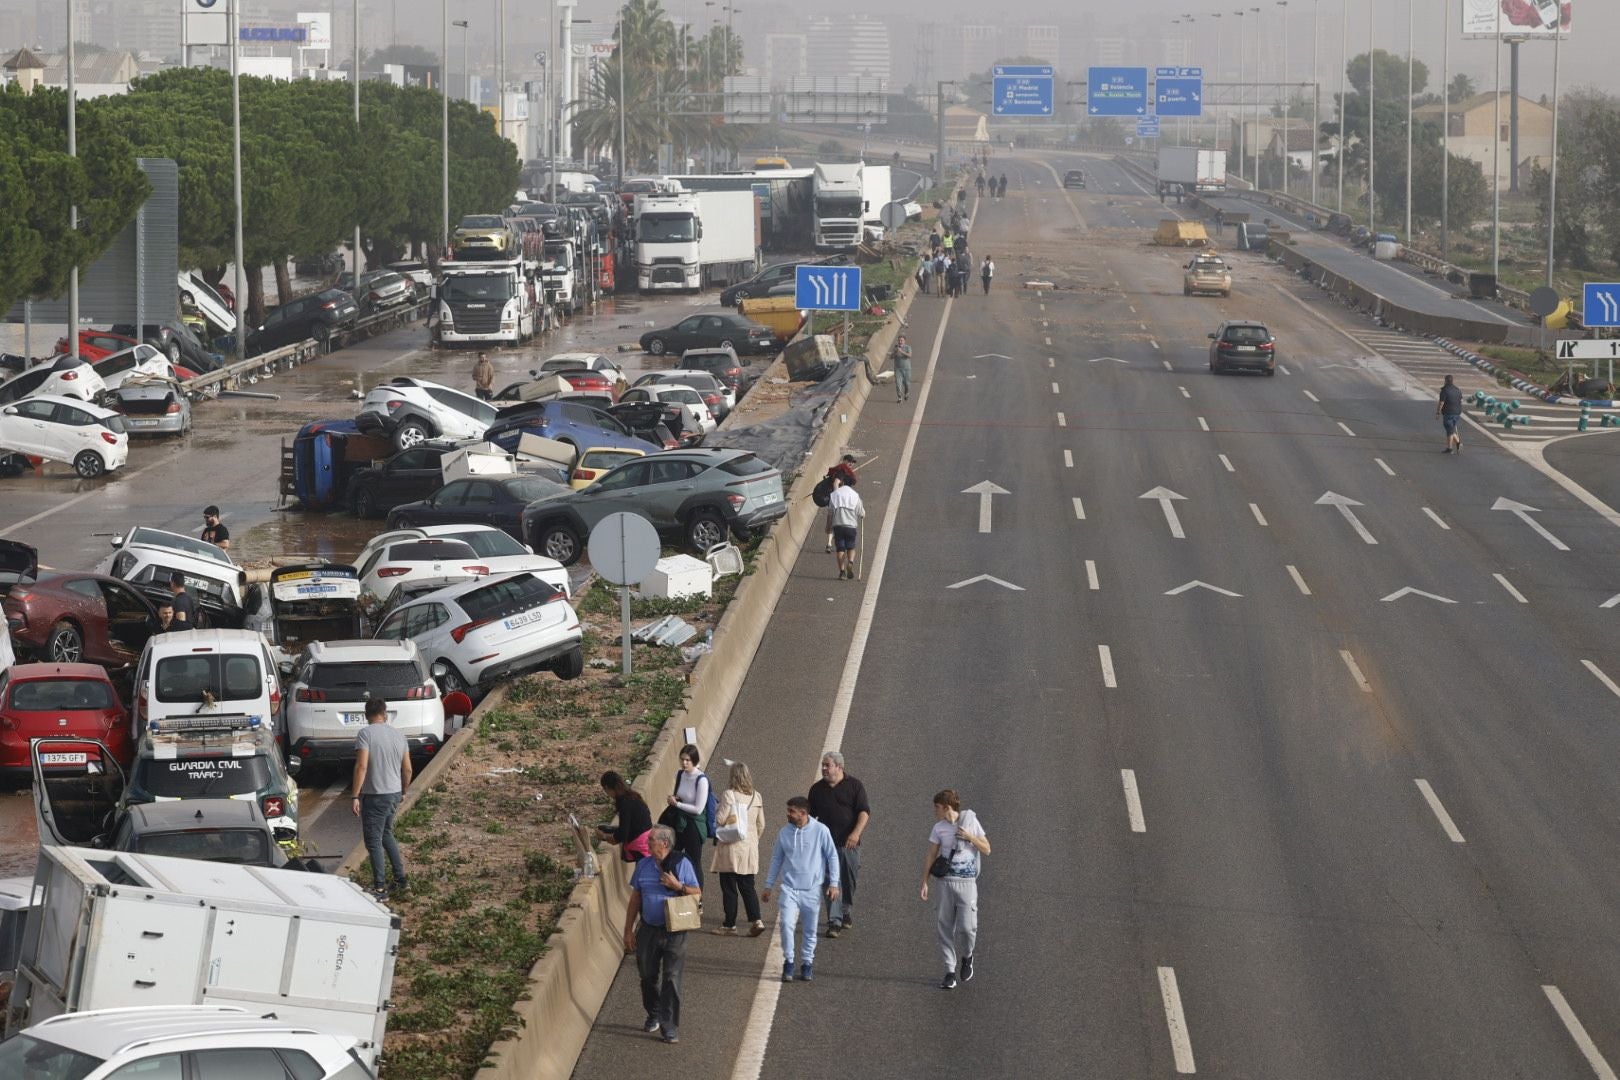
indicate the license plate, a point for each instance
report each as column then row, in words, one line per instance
column 1245, row 348
column 524, row 619
column 770, row 497
column 140, row 423
column 63, row 759
column 352, row 717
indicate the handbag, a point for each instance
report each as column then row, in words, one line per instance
column 941, row 867
column 681, row 914
column 737, row 831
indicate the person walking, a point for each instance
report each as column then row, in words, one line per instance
column 901, row 357
column 185, row 608
column 844, row 513
column 940, row 266
column 955, row 845
column 925, row 273
column 382, row 772
column 948, row 243
column 484, row 378
column 987, row 270
column 1001, row 188
column 838, row 801
column 629, row 835
column 1449, row 409
column 979, row 183
column 805, row 861
column 213, row 532
column 841, row 473
column 740, row 822
column 688, row 810
column 660, row 952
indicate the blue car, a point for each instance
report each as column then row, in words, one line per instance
column 579, row 425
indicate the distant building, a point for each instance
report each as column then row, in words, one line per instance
column 95, row 75
column 1109, row 51
column 1038, row 42
column 847, row 45
column 978, row 48
column 1469, row 132
column 787, row 56
column 25, row 69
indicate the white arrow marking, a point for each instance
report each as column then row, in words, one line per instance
column 1613, row 601
column 1166, row 499
column 1100, row 359
column 1179, row 589
column 1523, row 512
column 1409, row 591
column 986, row 577
column 992, row 356
column 985, row 490
column 1343, row 505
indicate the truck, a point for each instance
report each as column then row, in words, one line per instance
column 688, row 241
column 1194, row 169
column 110, row 929
column 877, row 187
column 840, row 200
column 488, row 302
column 560, row 275
column 728, row 247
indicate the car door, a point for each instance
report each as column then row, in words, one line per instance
column 425, row 625
column 480, row 502
column 77, row 785
column 684, row 334
column 77, row 430
column 131, row 621
column 618, row 491
column 29, row 426
column 270, row 333
column 668, row 486
column 445, row 506
column 399, row 479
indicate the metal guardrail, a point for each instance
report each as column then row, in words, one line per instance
column 266, row 365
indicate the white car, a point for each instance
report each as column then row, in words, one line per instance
column 496, row 550
column 65, row 376
column 185, row 673
column 398, row 561
column 212, row 306
column 572, row 361
column 213, row 1041
column 330, row 684
column 698, row 416
column 410, row 411
column 479, row 632
column 149, row 557
column 716, row 394
column 94, row 440
column 138, row 361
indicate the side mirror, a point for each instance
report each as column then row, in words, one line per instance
column 294, row 766
column 11, row 410
column 439, row 670
column 117, row 541
column 529, row 548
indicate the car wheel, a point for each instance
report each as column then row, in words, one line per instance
column 89, row 464
column 410, row 433
column 452, row 682
column 364, row 502
column 560, row 541
column 739, row 296
column 570, row 666
column 171, row 349
column 320, row 332
column 656, row 346
column 704, row 529
column 728, row 345
column 66, row 644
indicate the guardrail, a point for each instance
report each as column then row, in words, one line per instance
column 266, row 365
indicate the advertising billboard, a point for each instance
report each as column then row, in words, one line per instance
column 1515, row 18
column 317, row 28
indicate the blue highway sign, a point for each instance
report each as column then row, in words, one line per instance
column 1601, row 304
column 1147, row 127
column 1116, row 91
column 1022, row 90
column 827, row 288
column 1179, row 91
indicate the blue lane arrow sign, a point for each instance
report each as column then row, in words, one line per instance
column 827, row 288
column 1600, row 306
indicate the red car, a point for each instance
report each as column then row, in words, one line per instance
column 72, row 616
column 75, row 700
column 98, row 344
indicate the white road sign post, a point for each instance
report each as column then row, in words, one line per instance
column 624, row 549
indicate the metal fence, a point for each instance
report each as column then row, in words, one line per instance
column 266, row 365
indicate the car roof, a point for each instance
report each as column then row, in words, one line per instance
column 216, row 640
column 1245, row 322
column 147, row 537
column 462, row 588
column 105, row 1033
column 57, row 399
column 575, row 356
column 453, row 530
column 361, row 651
column 32, row 672
column 198, row 813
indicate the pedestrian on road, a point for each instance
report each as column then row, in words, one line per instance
column 955, row 845
column 687, row 813
column 901, row 356
column 484, row 378
column 844, row 513
column 838, row 801
column 925, row 273
column 185, row 608
column 934, row 238
column 948, row 243
column 841, row 473
column 979, row 183
column 1449, row 409
column 382, row 772
column 1001, row 188
column 629, row 835
column 805, row 861
column 213, row 532
column 660, row 952
column 940, row 266
column 987, row 270
column 741, row 822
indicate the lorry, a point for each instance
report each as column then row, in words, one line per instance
column 488, row 302
column 687, row 241
column 877, row 184
column 560, row 275
column 1203, row 171
column 840, row 200
column 110, row 929
column 728, row 248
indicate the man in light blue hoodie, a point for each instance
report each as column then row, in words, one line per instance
column 805, row 861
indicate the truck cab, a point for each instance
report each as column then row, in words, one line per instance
column 840, row 200
column 484, row 303
column 667, row 231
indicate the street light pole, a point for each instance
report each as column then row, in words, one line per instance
column 235, row 23
column 500, row 63
column 1256, row 12
column 1445, row 128
column 1220, row 57
column 1496, row 158
column 623, row 56
column 466, row 68
column 1372, row 127
column 1410, row 89
column 1243, row 79
column 1344, row 65
column 1287, row 143
column 1552, row 179
column 1316, row 93
column 73, row 152
column 354, row 74
column 444, row 125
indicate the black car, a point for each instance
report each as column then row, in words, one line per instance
column 406, row 477
column 1074, row 178
column 710, row 331
column 721, row 363
column 776, row 274
column 1241, row 344
column 478, row 500
column 178, row 342
column 322, row 316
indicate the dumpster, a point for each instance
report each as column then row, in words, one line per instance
column 776, row 312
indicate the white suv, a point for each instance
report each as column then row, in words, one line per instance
column 330, row 684
column 148, row 558
column 478, row 632
column 410, row 411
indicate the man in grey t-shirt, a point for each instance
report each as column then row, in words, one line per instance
column 382, row 772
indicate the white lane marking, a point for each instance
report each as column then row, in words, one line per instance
column 1153, row 343
column 1043, row 307
column 1051, row 362
column 336, row 788
column 1299, row 582
column 1047, row 340
column 1142, row 325
column 1106, row 656
column 1055, row 388
column 1227, row 462
column 1254, row 508
column 100, row 490
column 1091, row 576
column 1203, row 423
column 1167, row 366
column 1133, row 800
column 1345, row 428
column 1284, row 369
column 1184, row 393
column 1068, row 459
column 1439, row 811
column 1577, row 1031
column 1355, row 670
column 1062, row 420
column 1079, row 509
column 1382, row 464
column 1602, row 678
column 1312, row 396
column 1180, row 1043
column 1508, row 585
column 1434, row 517
column 756, row 1034
column 1132, row 307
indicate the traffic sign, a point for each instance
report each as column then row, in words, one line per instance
column 1178, row 91
column 1022, row 89
column 827, row 288
column 1116, row 91
column 1147, row 127
column 1601, row 304
column 1588, row 350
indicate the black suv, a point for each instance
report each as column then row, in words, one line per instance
column 1074, row 178
column 721, row 363
column 322, row 316
column 408, row 476
column 1240, row 345
column 767, row 279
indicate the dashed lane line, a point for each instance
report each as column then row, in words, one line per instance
column 1437, row 519
column 1355, row 671
column 1176, row 1019
column 1511, row 591
column 1433, row 800
column 1133, row 801
column 1597, row 672
column 1091, row 576
column 1299, row 582
column 1105, row 656
column 1382, row 464
column 1260, row 519
column 1226, row 463
column 1577, row 1031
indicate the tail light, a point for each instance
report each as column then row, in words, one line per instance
column 460, row 632
column 393, row 571
column 329, row 305
column 174, row 407
column 274, row 806
column 109, row 438
column 736, row 500
column 1268, row 346
column 304, row 693
column 69, row 376
column 275, row 698
column 426, row 692
column 584, row 474
column 392, row 405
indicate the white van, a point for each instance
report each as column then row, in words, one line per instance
column 213, row 673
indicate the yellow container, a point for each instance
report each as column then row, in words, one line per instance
column 776, row 312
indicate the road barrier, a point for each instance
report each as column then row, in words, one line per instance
column 267, row 365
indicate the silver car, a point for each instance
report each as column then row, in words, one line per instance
column 153, row 406
column 380, row 290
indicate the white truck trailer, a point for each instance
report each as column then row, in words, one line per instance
column 688, row 241
column 1196, row 170
column 484, row 303
column 877, row 188
column 728, row 245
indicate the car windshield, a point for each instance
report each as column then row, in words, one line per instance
column 489, row 543
column 193, row 678
column 503, row 597
column 390, row 680
column 28, row 1058
column 51, row 695
column 197, row 549
column 201, row 777
column 746, row 465
column 481, row 221
column 476, row 288
column 666, row 228
column 248, row 847
column 1246, row 335
column 1210, row 265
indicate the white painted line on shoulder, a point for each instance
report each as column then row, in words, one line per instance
column 1050, row 362
column 1226, row 462
column 1203, row 423
column 1577, row 1031
column 1047, row 340
column 1382, row 464
column 1055, row 389
column 1355, row 670
column 1602, row 678
column 1508, row 585
column 1439, row 811
column 1254, row 508
column 1133, row 800
column 1437, row 519
column 1062, row 420
column 1180, row 1043
column 1079, row 509
column 1312, row 396
column 1167, row 366
column 1345, row 428
column 1091, row 576
column 1106, row 656
column 1142, row 325
column 1184, row 393
column 1299, row 581
column 1068, row 459
column 1153, row 343
column 1284, row 369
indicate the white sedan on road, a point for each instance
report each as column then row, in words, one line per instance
column 496, row 551
column 94, row 440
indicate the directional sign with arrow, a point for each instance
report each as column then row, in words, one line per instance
column 1191, row 585
column 1343, row 505
column 1409, row 591
column 985, row 490
column 1523, row 513
column 965, row 582
column 1167, row 499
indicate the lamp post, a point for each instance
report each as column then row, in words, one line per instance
column 73, row 152
column 1410, row 87
column 1287, row 93
column 1496, row 157
column 466, row 70
column 1372, row 127
column 1316, row 93
column 623, row 56
column 235, row 23
column 1219, row 57
column 1445, row 127
column 1243, row 139
column 500, row 63
column 354, row 74
column 1344, row 64
column 1256, row 12
column 444, row 125
column 1552, row 178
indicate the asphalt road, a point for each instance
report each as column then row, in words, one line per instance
column 1277, row 786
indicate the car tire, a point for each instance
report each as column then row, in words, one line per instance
column 571, row 665
column 1271, row 371
column 561, row 541
column 363, row 503
column 320, row 332
column 727, row 345
column 452, row 680
column 65, row 645
column 411, row 433
column 89, row 464
column 704, row 529
column 656, row 346
column 171, row 349
column 739, row 296
column 13, row 464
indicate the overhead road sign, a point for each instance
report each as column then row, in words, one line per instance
column 827, row 288
column 1116, row 91
column 1022, row 89
column 1178, row 91
column 1600, row 305
column 1147, row 127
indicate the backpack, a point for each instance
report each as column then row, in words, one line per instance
column 821, row 494
column 709, row 809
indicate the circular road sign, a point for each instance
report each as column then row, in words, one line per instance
column 623, row 548
column 893, row 215
column 1545, row 301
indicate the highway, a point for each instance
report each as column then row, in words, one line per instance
column 1292, row 735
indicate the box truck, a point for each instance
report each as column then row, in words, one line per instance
column 1194, row 169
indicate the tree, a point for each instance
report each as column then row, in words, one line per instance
column 1588, row 223
column 1390, row 72
column 1462, row 86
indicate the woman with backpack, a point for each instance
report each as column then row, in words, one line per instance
column 688, row 811
column 740, row 818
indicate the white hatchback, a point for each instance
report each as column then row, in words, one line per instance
column 93, row 439
column 393, row 563
column 137, row 361
column 496, row 550
column 332, row 681
column 65, row 376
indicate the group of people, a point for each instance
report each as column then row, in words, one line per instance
column 948, row 266
column 815, row 857
column 996, row 185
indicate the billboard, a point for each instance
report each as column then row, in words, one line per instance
column 1515, row 18
column 317, row 28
